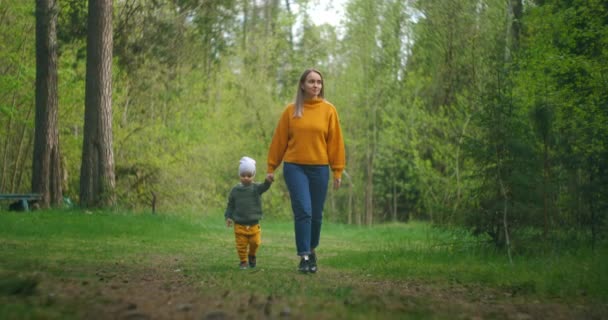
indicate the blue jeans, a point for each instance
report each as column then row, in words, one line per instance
column 307, row 186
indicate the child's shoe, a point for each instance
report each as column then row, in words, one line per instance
column 252, row 261
column 243, row 265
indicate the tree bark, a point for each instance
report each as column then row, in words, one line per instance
column 505, row 197
column 369, row 187
column 395, row 197
column 46, row 168
column 97, row 180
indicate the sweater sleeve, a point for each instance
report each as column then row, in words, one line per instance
column 263, row 187
column 335, row 146
column 278, row 145
column 229, row 207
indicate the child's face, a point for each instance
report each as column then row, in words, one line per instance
column 246, row 178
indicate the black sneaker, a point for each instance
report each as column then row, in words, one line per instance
column 252, row 261
column 313, row 262
column 304, row 265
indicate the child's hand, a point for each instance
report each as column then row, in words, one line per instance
column 270, row 177
column 229, row 222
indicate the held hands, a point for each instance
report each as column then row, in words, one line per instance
column 229, row 222
column 270, row 177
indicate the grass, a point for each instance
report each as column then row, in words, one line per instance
column 365, row 272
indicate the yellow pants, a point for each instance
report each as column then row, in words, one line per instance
column 247, row 236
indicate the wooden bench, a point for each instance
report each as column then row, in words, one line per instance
column 22, row 197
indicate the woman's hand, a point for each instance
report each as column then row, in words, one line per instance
column 270, row 177
column 337, row 183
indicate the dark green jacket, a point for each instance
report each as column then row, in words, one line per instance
column 245, row 203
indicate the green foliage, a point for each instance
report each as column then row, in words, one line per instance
column 560, row 76
column 508, row 127
column 73, row 21
column 448, row 114
column 445, row 72
column 17, row 77
column 71, row 115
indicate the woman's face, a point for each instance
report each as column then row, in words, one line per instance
column 312, row 85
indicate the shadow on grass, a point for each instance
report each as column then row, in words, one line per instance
column 12, row 284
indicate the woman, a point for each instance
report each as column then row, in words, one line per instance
column 308, row 139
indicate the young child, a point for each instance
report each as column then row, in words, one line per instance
column 244, row 210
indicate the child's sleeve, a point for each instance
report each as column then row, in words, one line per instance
column 229, row 207
column 263, row 187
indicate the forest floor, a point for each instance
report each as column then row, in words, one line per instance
column 164, row 291
column 65, row 265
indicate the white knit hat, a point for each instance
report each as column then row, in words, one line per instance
column 247, row 164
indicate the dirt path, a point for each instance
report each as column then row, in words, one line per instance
column 156, row 293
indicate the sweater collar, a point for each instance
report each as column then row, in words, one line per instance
column 313, row 101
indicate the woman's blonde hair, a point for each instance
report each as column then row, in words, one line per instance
column 299, row 103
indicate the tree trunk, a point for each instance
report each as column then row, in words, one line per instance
column 546, row 174
column 371, row 154
column 349, row 219
column 97, row 180
column 395, row 196
column 19, row 164
column 291, row 41
column 369, row 189
column 517, row 10
column 46, row 168
column 350, row 204
column 505, row 197
column 592, row 186
column 245, row 24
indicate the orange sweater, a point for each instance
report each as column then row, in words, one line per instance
column 313, row 139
